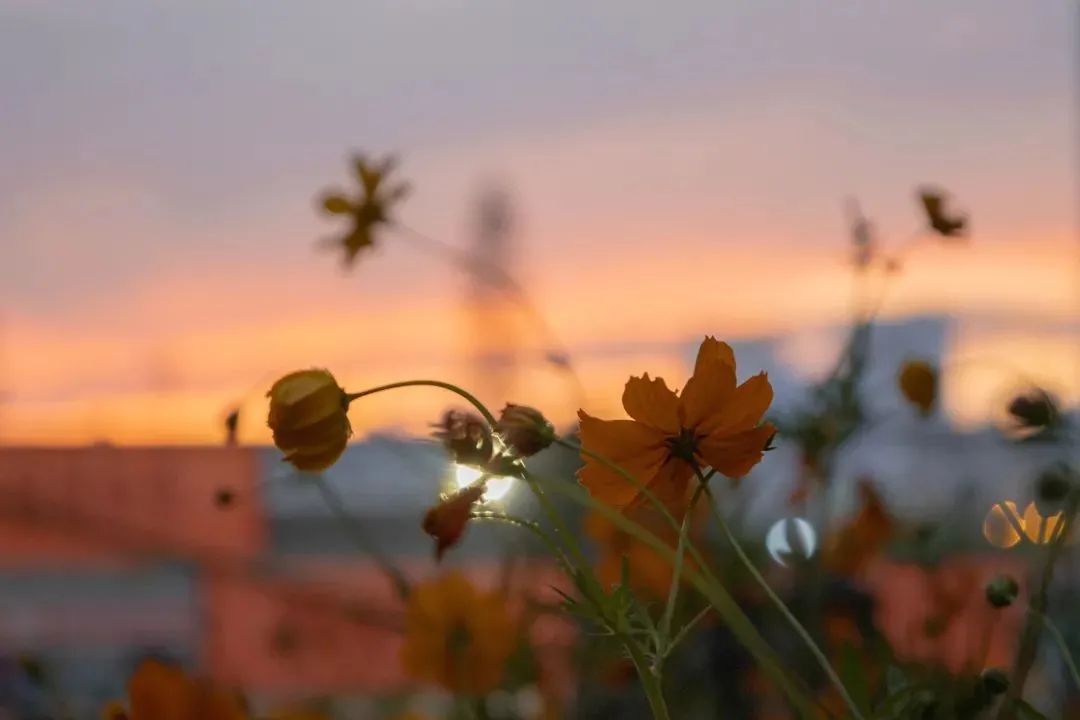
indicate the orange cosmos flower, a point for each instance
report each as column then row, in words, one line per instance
column 160, row 691
column 457, row 636
column 712, row 423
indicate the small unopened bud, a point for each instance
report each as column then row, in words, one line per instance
column 525, row 430
column 918, row 381
column 994, row 680
column 1053, row 486
column 309, row 417
column 1002, row 591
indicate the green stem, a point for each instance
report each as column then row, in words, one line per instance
column 1063, row 648
column 532, row 527
column 480, row 408
column 360, row 538
column 676, row 575
column 797, row 626
column 654, row 501
column 740, row 625
column 650, row 681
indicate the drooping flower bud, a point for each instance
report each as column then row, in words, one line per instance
column 309, row 417
column 525, row 430
column 466, row 437
column 1002, row 591
column 918, row 381
column 446, row 521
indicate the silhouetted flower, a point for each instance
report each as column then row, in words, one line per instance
column 446, row 521
column 525, row 430
column 1034, row 410
column 308, row 414
column 937, row 216
column 713, row 423
column 466, row 437
column 368, row 210
column 918, row 381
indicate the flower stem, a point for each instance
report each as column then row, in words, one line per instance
column 676, row 575
column 534, row 528
column 1063, row 648
column 714, row 592
column 797, row 626
column 480, row 407
column 360, row 538
column 650, row 681
column 1029, row 639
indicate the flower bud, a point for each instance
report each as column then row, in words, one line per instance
column 994, row 681
column 525, row 430
column 466, row 437
column 918, row 382
column 308, row 414
column 446, row 521
column 1002, row 591
column 1053, row 486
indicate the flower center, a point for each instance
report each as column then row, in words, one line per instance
column 458, row 640
column 683, row 445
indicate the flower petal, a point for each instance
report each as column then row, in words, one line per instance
column 713, row 350
column 711, row 386
column 743, row 410
column 735, row 455
column 652, row 403
column 669, row 486
column 637, row 448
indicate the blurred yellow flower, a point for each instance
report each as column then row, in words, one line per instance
column 918, row 381
column 367, row 211
column 457, row 636
column 713, row 423
column 309, row 417
column 160, row 691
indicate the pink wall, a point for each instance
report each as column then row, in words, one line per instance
column 107, row 505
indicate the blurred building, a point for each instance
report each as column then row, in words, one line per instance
column 108, row 555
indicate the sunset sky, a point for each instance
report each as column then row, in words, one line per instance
column 678, row 169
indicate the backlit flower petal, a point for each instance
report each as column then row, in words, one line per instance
column 669, row 486
column 652, row 403
column 637, row 448
column 735, row 455
column 743, row 410
column 712, row 385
